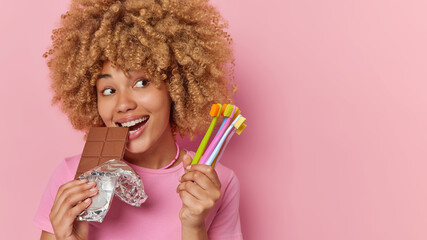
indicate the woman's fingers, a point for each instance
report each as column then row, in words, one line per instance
column 195, row 200
column 199, row 190
column 69, row 196
column 202, row 183
column 76, row 210
column 71, row 199
column 74, row 196
column 67, row 216
column 186, row 161
column 73, row 192
column 67, row 186
column 64, row 188
column 207, row 170
column 190, row 202
column 194, row 189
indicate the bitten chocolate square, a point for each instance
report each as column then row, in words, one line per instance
column 102, row 144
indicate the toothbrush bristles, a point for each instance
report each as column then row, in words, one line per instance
column 214, row 110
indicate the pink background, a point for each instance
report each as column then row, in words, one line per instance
column 335, row 96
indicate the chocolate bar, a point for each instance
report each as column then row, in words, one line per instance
column 102, row 144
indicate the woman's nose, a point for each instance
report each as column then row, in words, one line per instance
column 125, row 103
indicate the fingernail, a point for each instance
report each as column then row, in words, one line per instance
column 83, row 180
column 87, row 200
column 91, row 183
column 93, row 192
column 188, row 167
column 92, row 189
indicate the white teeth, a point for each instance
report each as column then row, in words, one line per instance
column 132, row 123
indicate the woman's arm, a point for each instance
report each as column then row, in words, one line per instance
column 47, row 236
column 194, row 233
column 199, row 190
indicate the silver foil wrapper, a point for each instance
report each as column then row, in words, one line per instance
column 114, row 177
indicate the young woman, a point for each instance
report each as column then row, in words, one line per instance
column 155, row 67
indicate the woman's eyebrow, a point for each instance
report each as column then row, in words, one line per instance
column 104, row 76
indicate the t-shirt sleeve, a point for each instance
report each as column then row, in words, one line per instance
column 226, row 223
column 59, row 176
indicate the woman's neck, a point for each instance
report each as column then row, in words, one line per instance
column 159, row 155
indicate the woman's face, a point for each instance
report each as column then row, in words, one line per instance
column 134, row 102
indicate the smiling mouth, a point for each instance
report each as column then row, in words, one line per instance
column 134, row 125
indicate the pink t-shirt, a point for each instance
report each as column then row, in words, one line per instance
column 158, row 217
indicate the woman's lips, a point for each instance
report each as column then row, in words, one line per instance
column 138, row 132
column 126, row 122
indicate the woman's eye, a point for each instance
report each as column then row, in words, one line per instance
column 108, row 91
column 141, row 83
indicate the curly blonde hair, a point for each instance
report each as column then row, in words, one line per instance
column 179, row 42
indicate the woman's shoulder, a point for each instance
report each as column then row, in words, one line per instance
column 226, row 176
column 224, row 171
column 66, row 169
column 71, row 163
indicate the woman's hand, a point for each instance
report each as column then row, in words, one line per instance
column 199, row 190
column 72, row 198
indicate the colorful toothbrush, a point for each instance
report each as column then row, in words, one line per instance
column 215, row 112
column 228, row 114
column 237, row 113
column 224, row 146
column 222, row 114
column 235, row 125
